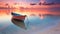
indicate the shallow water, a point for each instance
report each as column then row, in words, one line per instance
column 36, row 24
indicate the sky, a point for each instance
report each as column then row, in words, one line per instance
column 27, row 2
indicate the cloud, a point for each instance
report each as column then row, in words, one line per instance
column 33, row 4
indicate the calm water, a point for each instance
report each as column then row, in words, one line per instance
column 36, row 24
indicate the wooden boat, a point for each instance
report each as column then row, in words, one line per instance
column 18, row 20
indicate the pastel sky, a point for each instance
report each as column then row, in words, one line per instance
column 35, row 1
column 26, row 2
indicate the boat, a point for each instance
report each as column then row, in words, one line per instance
column 18, row 20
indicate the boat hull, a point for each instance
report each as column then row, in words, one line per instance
column 19, row 21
